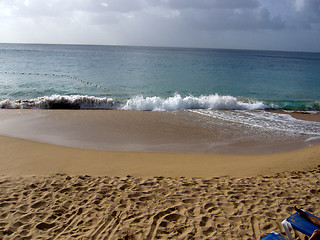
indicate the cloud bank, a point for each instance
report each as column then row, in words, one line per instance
column 250, row 24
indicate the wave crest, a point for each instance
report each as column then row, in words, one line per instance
column 139, row 103
column 60, row 102
column 190, row 102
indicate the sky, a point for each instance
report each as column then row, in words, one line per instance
column 289, row 25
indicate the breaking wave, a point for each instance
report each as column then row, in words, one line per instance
column 60, row 102
column 190, row 102
column 177, row 102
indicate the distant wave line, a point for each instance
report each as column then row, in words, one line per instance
column 56, row 75
column 155, row 103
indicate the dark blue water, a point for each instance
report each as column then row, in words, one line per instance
column 153, row 78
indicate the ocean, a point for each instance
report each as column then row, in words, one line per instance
column 237, row 86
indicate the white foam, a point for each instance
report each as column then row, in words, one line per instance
column 190, row 102
column 313, row 139
column 269, row 121
column 136, row 103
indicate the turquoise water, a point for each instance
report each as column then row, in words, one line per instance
column 204, row 81
column 153, row 78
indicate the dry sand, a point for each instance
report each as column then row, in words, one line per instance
column 84, row 207
column 54, row 192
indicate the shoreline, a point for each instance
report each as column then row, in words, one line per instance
column 140, row 131
column 307, row 116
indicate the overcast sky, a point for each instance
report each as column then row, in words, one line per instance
column 240, row 24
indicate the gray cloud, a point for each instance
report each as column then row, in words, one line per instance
column 308, row 13
column 226, row 19
column 209, row 4
column 209, row 23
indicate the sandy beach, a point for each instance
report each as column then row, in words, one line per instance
column 61, row 206
column 51, row 191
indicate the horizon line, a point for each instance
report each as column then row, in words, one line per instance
column 159, row 46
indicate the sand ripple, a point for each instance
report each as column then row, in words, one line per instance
column 84, row 207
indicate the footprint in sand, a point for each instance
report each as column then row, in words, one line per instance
column 173, row 217
column 27, row 217
column 204, row 221
column 189, row 200
column 208, row 231
column 38, row 204
column 145, row 198
column 45, row 226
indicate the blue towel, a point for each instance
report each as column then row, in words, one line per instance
column 302, row 225
column 273, row 236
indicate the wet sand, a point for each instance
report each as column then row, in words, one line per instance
column 57, row 192
column 140, row 131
